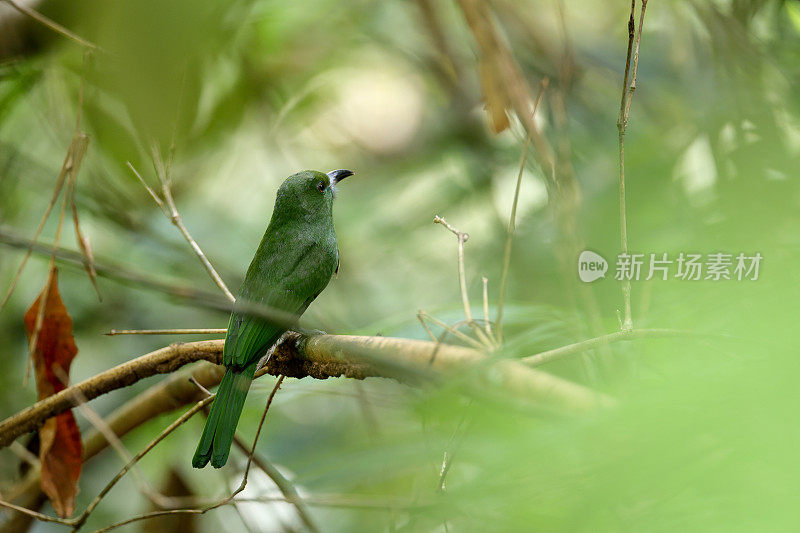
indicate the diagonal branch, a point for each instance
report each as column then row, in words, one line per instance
column 174, row 216
column 321, row 357
column 55, row 26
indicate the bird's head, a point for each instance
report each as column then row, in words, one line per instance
column 309, row 191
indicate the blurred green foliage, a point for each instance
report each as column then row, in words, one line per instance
column 705, row 435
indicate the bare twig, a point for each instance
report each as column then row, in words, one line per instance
column 333, row 501
column 83, row 240
column 462, row 279
column 224, row 501
column 175, row 218
column 487, row 324
column 66, row 170
column 190, row 294
column 81, row 519
column 55, row 26
column 78, row 521
column 635, row 71
column 172, row 393
column 421, row 314
column 512, row 219
column 628, row 87
column 25, row 454
column 284, row 485
column 111, row 437
column 161, row 361
column 156, row 198
column 447, row 459
column 187, row 331
column 557, row 353
column 469, row 340
column 37, row 515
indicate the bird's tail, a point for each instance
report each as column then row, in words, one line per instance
column 215, row 444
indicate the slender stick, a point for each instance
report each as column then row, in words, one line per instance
column 487, row 323
column 635, row 64
column 469, row 340
column 187, row 331
column 628, row 88
column 421, row 314
column 153, row 194
column 177, row 221
column 224, row 501
column 55, row 26
column 462, row 278
column 80, row 520
column 39, row 516
column 284, row 485
column 512, row 219
column 104, row 428
column 557, row 353
column 62, row 178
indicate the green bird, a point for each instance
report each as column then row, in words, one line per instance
column 295, row 261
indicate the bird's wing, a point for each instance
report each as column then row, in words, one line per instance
column 250, row 336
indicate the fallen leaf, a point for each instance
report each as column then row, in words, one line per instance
column 60, row 447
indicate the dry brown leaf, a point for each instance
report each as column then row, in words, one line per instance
column 494, row 97
column 60, row 440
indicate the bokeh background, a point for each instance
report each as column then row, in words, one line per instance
column 705, row 436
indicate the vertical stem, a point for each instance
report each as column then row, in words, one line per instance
column 622, row 123
column 486, row 322
column 512, row 219
column 627, row 323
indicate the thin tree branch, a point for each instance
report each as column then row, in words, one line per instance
column 156, row 198
column 186, row 331
column 177, row 221
column 55, row 26
column 578, row 347
column 66, row 170
column 284, row 485
column 421, row 314
column 462, row 279
column 161, row 361
column 170, row 394
column 512, row 219
column 225, row 501
column 628, row 87
column 81, row 519
column 456, row 333
column 487, row 323
column 320, row 356
column 331, row 501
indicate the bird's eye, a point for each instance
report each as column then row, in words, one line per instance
column 321, row 186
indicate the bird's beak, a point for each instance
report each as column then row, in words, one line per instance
column 338, row 175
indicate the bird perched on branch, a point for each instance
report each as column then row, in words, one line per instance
column 295, row 261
